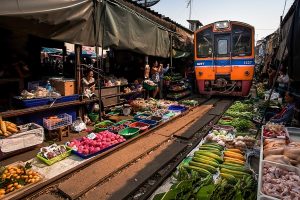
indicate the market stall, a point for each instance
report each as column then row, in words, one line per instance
column 55, row 159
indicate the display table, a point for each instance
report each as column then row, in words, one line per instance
column 32, row 137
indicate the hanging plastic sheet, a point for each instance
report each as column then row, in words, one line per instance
column 68, row 20
column 125, row 29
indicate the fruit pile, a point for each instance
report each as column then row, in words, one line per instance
column 101, row 141
column 7, row 128
column 16, row 177
column 117, row 128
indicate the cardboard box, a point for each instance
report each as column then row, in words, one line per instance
column 64, row 87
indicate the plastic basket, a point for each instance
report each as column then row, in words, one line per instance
column 116, row 128
column 67, row 98
column 55, row 159
column 141, row 117
column 55, row 122
column 155, row 118
column 149, row 87
column 126, row 121
column 93, row 154
column 94, row 117
column 152, row 123
column 104, row 124
column 177, row 108
column 142, row 126
column 28, row 103
column 129, row 132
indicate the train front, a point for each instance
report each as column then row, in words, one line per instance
column 224, row 58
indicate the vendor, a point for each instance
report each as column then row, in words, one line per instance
column 190, row 76
column 163, row 71
column 155, row 71
column 285, row 116
column 272, row 74
column 283, row 81
column 89, row 86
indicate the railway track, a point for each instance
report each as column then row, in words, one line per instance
column 136, row 168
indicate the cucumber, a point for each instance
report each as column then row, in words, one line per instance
column 215, row 145
column 211, row 162
column 210, row 154
column 209, row 168
column 201, row 171
column 209, row 148
column 235, row 168
column 234, row 164
column 230, row 178
column 236, row 174
column 198, row 156
column 215, row 151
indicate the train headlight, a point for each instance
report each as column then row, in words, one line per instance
column 247, row 73
column 222, row 25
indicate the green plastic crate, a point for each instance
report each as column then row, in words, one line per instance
column 55, row 159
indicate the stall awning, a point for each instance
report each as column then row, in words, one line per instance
column 68, row 20
column 282, row 52
column 126, row 29
column 81, row 22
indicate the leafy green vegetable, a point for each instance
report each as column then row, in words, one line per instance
column 241, row 107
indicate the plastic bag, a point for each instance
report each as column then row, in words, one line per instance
column 78, row 125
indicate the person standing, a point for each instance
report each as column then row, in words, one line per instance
column 163, row 71
column 155, row 71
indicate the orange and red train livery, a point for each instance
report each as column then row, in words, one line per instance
column 224, row 58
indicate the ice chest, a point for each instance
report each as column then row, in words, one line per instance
column 65, row 87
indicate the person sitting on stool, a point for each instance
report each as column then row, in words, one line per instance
column 285, row 116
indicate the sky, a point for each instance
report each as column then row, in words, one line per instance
column 264, row 15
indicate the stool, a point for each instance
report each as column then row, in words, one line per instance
column 59, row 132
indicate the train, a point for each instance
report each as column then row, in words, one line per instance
column 224, row 58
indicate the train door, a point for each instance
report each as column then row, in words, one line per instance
column 222, row 54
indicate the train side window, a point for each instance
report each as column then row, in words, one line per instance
column 222, row 47
column 241, row 40
column 204, row 43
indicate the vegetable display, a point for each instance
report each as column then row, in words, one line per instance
column 15, row 177
column 194, row 178
column 239, row 123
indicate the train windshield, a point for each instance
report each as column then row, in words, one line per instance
column 204, row 40
column 241, row 41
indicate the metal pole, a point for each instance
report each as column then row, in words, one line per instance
column 78, row 72
column 101, row 63
column 171, row 53
column 190, row 15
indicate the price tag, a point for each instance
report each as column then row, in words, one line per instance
column 91, row 136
